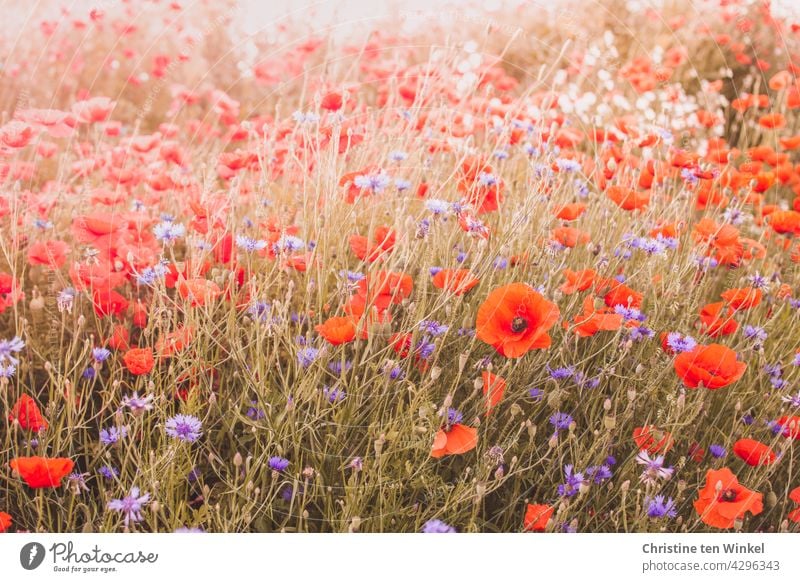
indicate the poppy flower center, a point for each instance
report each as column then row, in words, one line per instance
column 519, row 324
column 728, row 495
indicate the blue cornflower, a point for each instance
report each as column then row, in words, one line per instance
column 9, row 347
column 278, row 464
column 425, row 348
column 108, row 472
column 561, row 421
column 112, row 435
column 717, row 451
column 100, row 354
column 754, row 333
column 433, row 328
column 599, row 473
column 334, row 394
column 680, row 343
column 561, row 373
column 572, row 482
column 537, row 394
column 437, row 526
column 131, row 505
column 250, row 244
column 307, row 355
column 454, row 416
column 437, row 206
column 376, row 183
column 184, row 427
column 168, row 231
column 660, row 507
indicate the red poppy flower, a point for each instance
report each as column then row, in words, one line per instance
column 338, row 330
column 741, row 299
column 593, row 320
column 652, row 439
column 383, row 241
column 50, row 253
column 139, row 361
column 456, row 281
column 723, row 500
column 713, row 366
column 456, row 440
column 717, row 319
column 577, row 280
column 628, row 199
column 5, row 521
column 198, row 291
column 380, row 289
column 537, row 516
column 794, row 495
column 494, row 387
column 791, row 426
column 515, row 319
column 621, row 294
column 27, row 413
column 753, row 452
column 40, row 472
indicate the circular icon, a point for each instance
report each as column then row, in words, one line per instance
column 31, row 555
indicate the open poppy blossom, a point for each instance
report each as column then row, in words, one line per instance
column 593, row 319
column 753, row 452
column 338, row 330
column 41, row 472
column 456, row 281
column 515, row 319
column 652, row 439
column 454, row 438
column 26, row 412
column 712, row 366
column 139, row 361
column 717, row 319
column 383, row 241
column 537, row 516
column 723, row 500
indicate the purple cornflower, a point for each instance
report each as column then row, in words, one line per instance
column 278, row 464
column 112, row 435
column 425, row 348
column 754, row 333
column 168, row 231
column 537, row 394
column 433, row 328
column 138, row 404
column 454, row 416
column 9, row 347
column 640, row 332
column 437, row 526
column 100, row 355
column 572, row 482
column 338, row 367
column 561, row 373
column 561, row 421
column 396, row 373
column 288, row 243
column 629, row 313
column 599, row 473
column 131, row 505
column 186, row 529
column 437, row 206
column 108, row 472
column 792, row 400
column 255, row 413
column 184, row 427
column 758, row 282
column 259, row 310
column 335, row 394
column 376, row 183
column 654, row 468
column 717, row 451
column 660, row 507
column 306, row 356
column 250, row 245
column 680, row 343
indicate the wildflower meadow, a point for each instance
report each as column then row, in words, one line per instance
column 442, row 269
